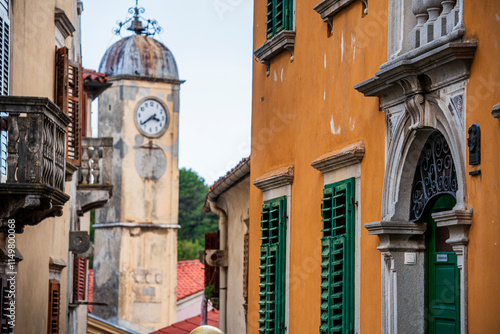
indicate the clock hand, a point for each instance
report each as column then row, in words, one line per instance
column 150, row 118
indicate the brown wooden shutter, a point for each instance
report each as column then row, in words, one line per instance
column 84, row 113
column 69, row 88
column 5, row 304
column 212, row 241
column 54, row 306
column 79, row 278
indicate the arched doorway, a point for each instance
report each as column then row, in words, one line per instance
column 434, row 190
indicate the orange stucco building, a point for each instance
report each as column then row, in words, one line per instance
column 374, row 101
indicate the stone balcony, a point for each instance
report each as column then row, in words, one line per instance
column 36, row 148
column 94, row 185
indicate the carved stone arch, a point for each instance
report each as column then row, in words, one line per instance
column 422, row 116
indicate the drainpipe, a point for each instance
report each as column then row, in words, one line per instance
column 223, row 270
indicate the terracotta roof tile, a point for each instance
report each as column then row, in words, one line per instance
column 186, row 326
column 190, row 278
column 91, row 75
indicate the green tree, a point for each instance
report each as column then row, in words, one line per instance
column 193, row 221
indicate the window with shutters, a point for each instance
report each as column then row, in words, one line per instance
column 337, row 258
column 279, row 16
column 5, row 299
column 272, row 267
column 54, row 306
column 69, row 97
column 79, row 278
column 4, row 79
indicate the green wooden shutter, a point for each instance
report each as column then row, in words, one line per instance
column 337, row 258
column 272, row 267
column 279, row 16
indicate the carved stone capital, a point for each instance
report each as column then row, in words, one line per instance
column 458, row 223
column 398, row 236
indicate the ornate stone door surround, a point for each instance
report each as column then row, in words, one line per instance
column 422, row 91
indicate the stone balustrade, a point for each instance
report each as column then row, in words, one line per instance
column 97, row 154
column 36, row 162
column 95, row 186
column 435, row 19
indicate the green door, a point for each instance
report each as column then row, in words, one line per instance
column 442, row 276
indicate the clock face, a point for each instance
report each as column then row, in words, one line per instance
column 151, row 118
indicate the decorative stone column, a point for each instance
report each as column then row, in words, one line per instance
column 403, row 276
column 458, row 223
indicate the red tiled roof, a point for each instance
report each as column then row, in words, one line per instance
column 190, row 278
column 186, row 326
column 91, row 289
column 92, row 75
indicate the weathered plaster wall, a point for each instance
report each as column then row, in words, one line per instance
column 32, row 74
column 136, row 199
column 307, row 108
column 482, row 23
column 140, row 267
column 148, row 277
column 235, row 202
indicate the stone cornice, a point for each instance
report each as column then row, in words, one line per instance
column 350, row 155
column 144, row 78
column 139, row 225
column 329, row 8
column 284, row 40
column 398, row 236
column 56, row 264
column 63, row 23
column 443, row 65
column 276, row 178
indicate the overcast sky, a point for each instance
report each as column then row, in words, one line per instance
column 211, row 41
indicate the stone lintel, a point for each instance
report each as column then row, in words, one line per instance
column 63, row 23
column 56, row 263
column 344, row 157
column 458, row 223
column 4, row 255
column 276, row 178
column 398, row 236
column 284, row 40
column 329, row 8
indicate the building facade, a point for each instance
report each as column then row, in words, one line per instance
column 44, row 167
column 228, row 197
column 374, row 146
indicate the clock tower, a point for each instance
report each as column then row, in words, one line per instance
column 135, row 257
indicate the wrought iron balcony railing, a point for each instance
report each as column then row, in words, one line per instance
column 36, row 148
column 95, row 187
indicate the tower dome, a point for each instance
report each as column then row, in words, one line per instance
column 141, row 56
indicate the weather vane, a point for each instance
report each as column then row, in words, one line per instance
column 136, row 24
